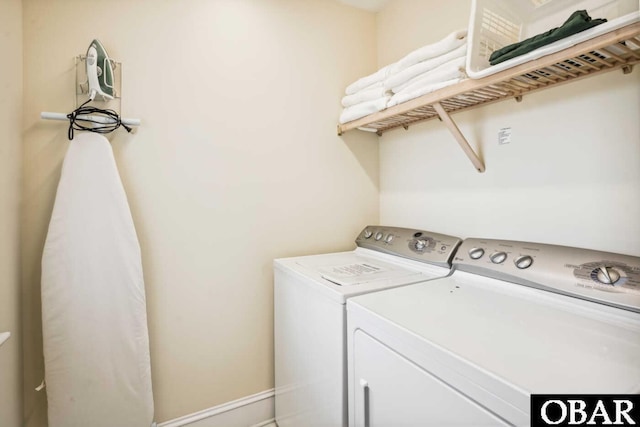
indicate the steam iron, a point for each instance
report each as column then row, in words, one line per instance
column 99, row 72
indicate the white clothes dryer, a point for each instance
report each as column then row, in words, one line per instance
column 471, row 348
column 310, row 293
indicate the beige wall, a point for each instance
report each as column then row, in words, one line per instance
column 570, row 176
column 236, row 163
column 10, row 152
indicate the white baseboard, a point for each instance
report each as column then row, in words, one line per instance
column 255, row 410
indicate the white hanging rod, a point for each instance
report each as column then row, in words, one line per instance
column 89, row 117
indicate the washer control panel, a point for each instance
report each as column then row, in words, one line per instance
column 607, row 278
column 419, row 245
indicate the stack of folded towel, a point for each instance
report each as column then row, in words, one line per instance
column 422, row 71
column 429, row 68
column 366, row 96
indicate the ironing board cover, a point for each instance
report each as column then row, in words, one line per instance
column 96, row 346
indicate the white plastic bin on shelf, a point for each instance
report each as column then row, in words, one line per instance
column 498, row 23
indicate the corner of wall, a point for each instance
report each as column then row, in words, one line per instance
column 10, row 190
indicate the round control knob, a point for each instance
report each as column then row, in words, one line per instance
column 476, row 253
column 607, row 275
column 498, row 257
column 367, row 233
column 378, row 235
column 523, row 262
column 420, row 244
column 389, row 238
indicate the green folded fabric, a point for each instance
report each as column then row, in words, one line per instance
column 577, row 22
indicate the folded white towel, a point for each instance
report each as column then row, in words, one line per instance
column 449, row 43
column 366, row 81
column 370, row 93
column 363, row 109
column 453, row 69
column 395, row 80
column 407, row 95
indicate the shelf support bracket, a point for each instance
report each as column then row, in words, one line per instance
column 462, row 141
column 627, row 69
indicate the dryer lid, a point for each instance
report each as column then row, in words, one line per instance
column 537, row 341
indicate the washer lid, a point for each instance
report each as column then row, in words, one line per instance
column 346, row 274
column 349, row 270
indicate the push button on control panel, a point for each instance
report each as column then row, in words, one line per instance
column 498, row 257
column 476, row 253
column 523, row 262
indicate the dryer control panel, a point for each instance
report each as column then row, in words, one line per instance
column 418, row 245
column 608, row 278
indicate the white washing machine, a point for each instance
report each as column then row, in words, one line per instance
column 310, row 317
column 513, row 319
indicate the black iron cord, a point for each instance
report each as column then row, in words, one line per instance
column 76, row 123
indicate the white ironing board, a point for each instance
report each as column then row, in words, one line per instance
column 96, row 346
